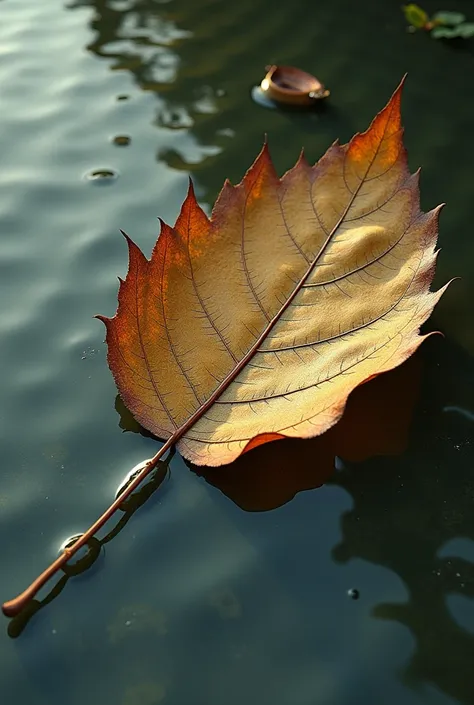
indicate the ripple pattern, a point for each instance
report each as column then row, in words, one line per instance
column 195, row 602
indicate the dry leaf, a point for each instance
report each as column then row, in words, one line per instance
column 257, row 323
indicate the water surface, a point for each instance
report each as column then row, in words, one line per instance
column 198, row 600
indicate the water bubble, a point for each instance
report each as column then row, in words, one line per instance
column 121, row 140
column 146, row 488
column 353, row 593
column 69, row 542
column 130, row 476
column 175, row 118
column 85, row 556
column 226, row 132
column 102, row 176
column 258, row 96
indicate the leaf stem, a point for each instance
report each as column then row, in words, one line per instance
column 15, row 606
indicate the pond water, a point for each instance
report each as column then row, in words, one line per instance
column 204, row 598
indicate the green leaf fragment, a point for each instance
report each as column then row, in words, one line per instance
column 444, row 33
column 463, row 31
column 466, row 30
column 449, row 19
column 415, row 15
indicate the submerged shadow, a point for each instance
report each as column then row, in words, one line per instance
column 416, row 508
column 407, row 508
column 272, row 474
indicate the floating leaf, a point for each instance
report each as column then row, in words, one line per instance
column 450, row 19
column 466, row 30
column 462, row 31
column 444, row 33
column 256, row 324
column 415, row 15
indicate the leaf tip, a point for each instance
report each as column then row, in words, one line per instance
column 434, row 213
column 396, row 99
column 302, row 161
column 134, row 252
column 191, row 193
column 105, row 319
column 264, row 155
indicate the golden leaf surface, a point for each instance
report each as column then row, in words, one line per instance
column 257, row 323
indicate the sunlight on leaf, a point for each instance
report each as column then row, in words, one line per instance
column 257, row 324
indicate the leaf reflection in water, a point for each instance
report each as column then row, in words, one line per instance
column 421, row 511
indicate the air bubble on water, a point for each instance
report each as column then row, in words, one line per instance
column 130, row 476
column 259, row 97
column 102, row 176
column 83, row 558
column 70, row 541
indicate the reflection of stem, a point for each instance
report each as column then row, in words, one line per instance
column 15, row 606
column 17, row 624
column 20, row 621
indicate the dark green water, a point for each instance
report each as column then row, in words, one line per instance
column 197, row 602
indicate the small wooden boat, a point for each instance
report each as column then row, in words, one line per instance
column 287, row 84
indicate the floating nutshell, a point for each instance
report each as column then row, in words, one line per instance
column 288, row 84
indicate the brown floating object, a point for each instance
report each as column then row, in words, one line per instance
column 287, row 84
